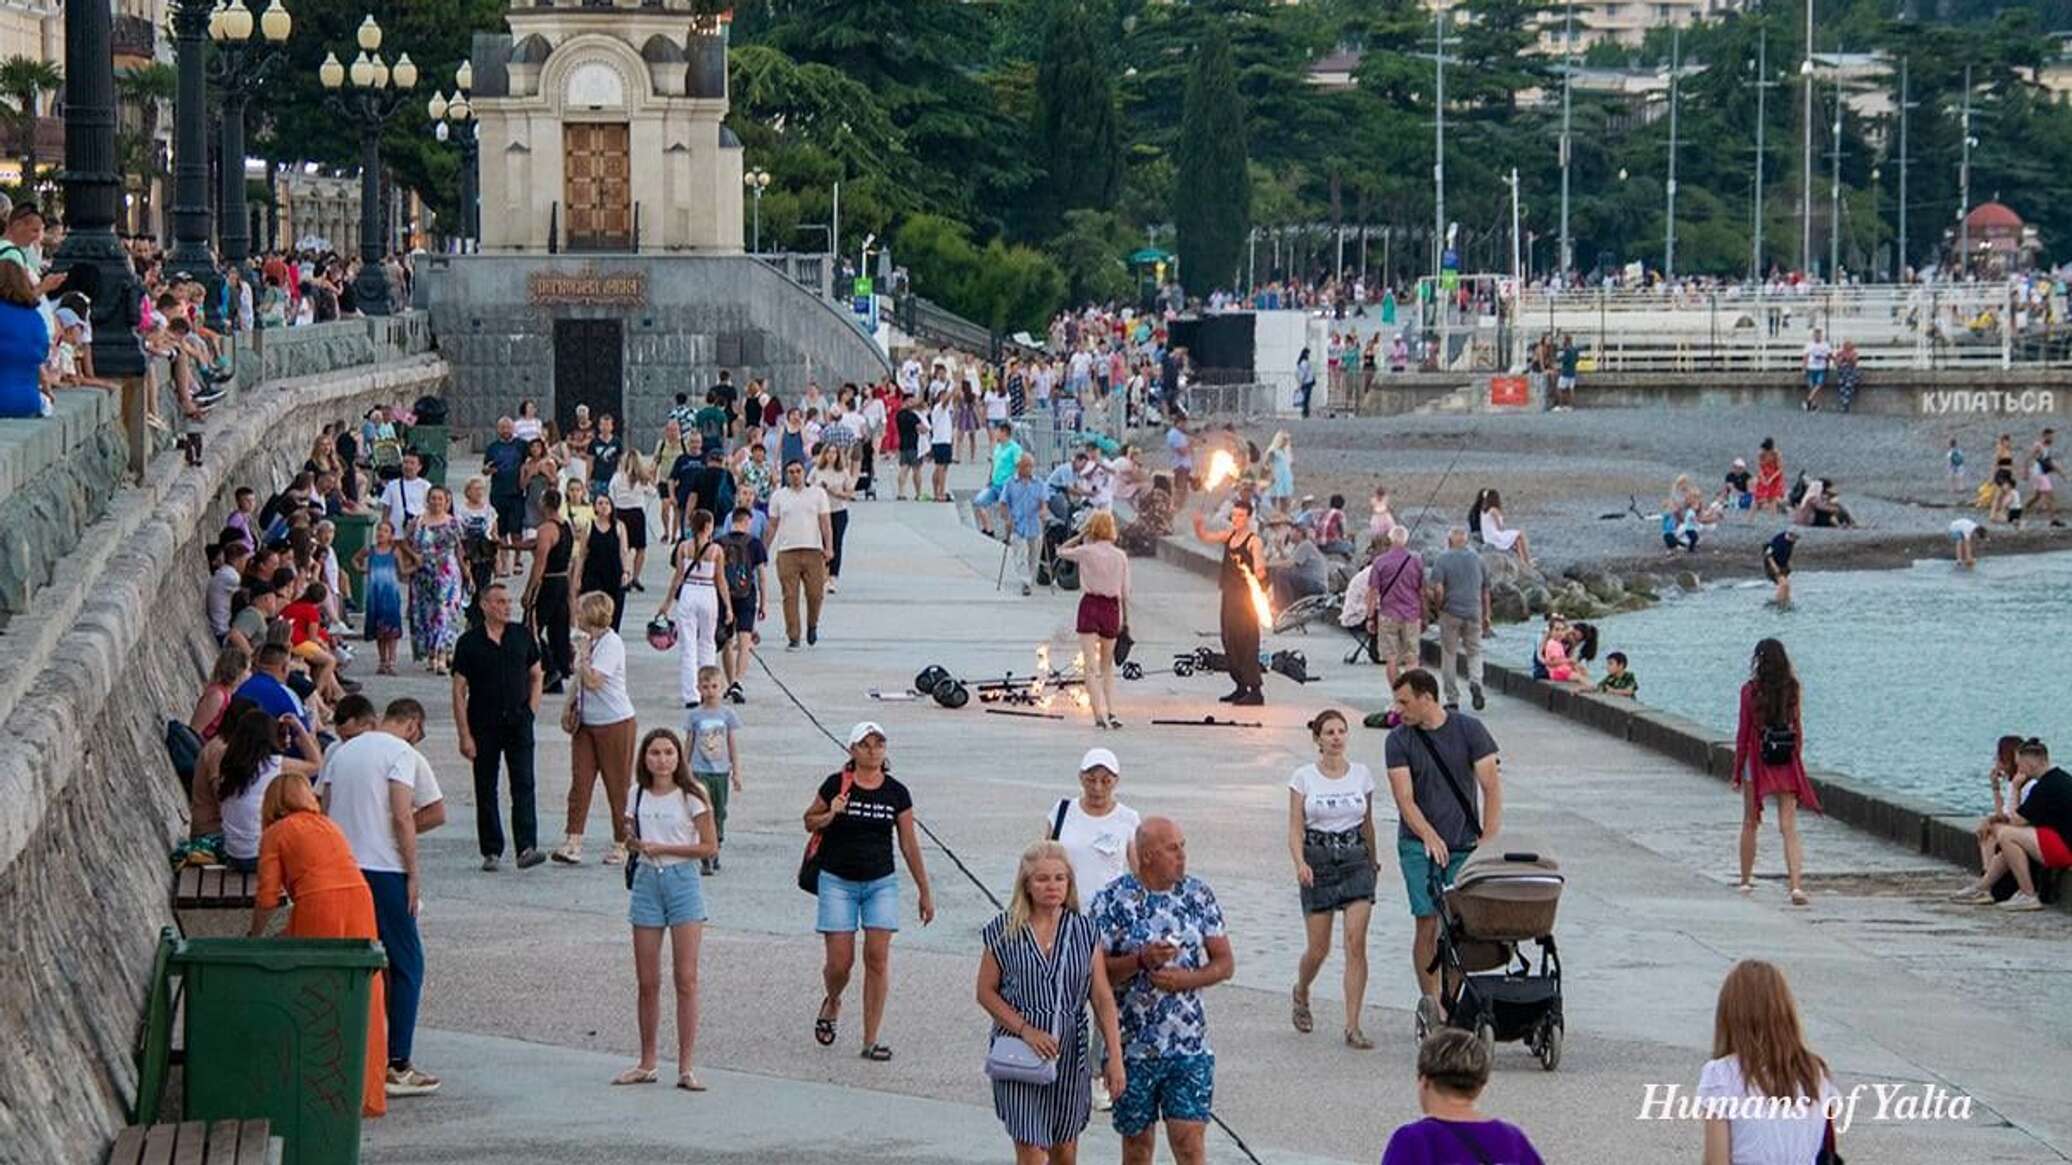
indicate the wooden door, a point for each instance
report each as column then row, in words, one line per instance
column 597, row 199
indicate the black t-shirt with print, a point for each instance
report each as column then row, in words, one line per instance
column 2049, row 803
column 857, row 845
column 909, row 424
column 604, row 458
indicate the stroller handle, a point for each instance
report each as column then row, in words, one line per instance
column 1520, row 856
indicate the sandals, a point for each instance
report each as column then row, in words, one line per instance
column 616, row 856
column 688, row 1081
column 635, row 1075
column 824, row 1024
column 1799, row 898
column 1357, row 1040
column 877, row 1052
column 1745, row 887
column 1304, row 1022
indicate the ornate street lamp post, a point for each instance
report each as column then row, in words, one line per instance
column 93, row 193
column 757, row 181
column 236, row 68
column 190, row 257
column 372, row 102
column 461, row 114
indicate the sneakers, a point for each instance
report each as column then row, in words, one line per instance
column 1025, row 590
column 1230, row 697
column 735, row 695
column 569, row 852
column 812, row 636
column 2021, row 902
column 791, row 645
column 1249, row 698
column 490, row 863
column 1974, row 893
column 528, row 858
column 408, row 1081
column 1475, row 696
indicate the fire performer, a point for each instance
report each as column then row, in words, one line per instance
column 1244, row 564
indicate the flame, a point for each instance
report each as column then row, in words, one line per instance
column 1222, row 467
column 1260, row 606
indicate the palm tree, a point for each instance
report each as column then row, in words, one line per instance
column 143, row 93
column 24, row 81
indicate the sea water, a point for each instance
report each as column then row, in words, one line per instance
column 1909, row 676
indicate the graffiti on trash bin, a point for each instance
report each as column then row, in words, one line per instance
column 326, row 1085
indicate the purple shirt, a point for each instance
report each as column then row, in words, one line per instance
column 1398, row 582
column 1432, row 1141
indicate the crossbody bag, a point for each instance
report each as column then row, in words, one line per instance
column 1010, row 1058
column 1467, row 805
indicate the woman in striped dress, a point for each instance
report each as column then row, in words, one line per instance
column 1035, row 979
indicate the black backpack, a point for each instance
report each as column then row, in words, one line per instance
column 740, row 569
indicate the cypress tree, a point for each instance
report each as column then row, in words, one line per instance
column 1212, row 194
column 1078, row 127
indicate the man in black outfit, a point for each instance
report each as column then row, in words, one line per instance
column 725, row 395
column 497, row 678
column 2037, row 830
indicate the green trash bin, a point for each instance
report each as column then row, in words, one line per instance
column 431, row 443
column 277, row 1028
column 355, row 532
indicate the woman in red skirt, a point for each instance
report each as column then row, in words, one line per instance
column 1104, row 598
column 1767, row 760
column 1769, row 478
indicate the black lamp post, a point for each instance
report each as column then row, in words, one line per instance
column 373, row 103
column 91, row 254
column 236, row 67
column 191, row 257
column 461, row 114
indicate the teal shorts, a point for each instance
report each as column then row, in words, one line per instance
column 1417, row 873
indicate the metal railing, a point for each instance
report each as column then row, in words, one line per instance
column 1750, row 329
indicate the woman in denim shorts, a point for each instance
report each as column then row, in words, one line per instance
column 670, row 825
column 856, row 814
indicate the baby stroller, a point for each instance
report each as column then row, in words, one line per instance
column 1499, row 902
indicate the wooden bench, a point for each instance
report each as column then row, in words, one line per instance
column 213, row 888
column 230, row 1142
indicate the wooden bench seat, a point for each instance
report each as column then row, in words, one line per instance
column 230, row 1142
column 213, row 888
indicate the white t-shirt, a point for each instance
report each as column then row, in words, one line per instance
column 357, row 775
column 1333, row 805
column 799, row 511
column 1099, row 847
column 996, row 405
column 667, row 819
column 404, row 497
column 1962, row 528
column 1760, row 1138
column 528, row 428
column 942, row 424
column 1816, row 356
column 910, row 375
column 608, row 703
column 222, row 585
column 241, row 813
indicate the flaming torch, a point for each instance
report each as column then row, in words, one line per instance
column 1260, row 606
column 1222, row 467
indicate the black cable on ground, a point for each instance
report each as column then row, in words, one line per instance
column 837, row 742
column 958, row 862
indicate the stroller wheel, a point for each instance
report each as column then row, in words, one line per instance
column 1550, row 1046
column 1133, row 671
column 1486, row 1033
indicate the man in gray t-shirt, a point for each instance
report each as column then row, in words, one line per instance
column 1438, row 764
column 1463, row 590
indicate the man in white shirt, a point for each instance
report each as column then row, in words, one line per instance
column 223, row 584
column 801, row 538
column 1817, row 356
column 373, row 787
column 910, row 375
column 402, row 500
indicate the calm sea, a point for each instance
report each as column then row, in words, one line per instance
column 1909, row 675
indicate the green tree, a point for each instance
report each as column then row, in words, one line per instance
column 1077, row 130
column 1212, row 195
column 145, row 90
column 23, row 82
column 1090, row 253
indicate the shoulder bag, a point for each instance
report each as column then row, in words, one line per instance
column 1779, row 743
column 633, row 858
column 1010, row 1058
column 572, row 711
column 1057, row 819
column 809, row 865
column 1467, row 805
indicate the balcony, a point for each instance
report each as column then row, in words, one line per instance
column 135, row 37
column 50, row 141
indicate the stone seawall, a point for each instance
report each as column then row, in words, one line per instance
column 89, row 674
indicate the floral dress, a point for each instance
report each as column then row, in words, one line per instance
column 437, row 590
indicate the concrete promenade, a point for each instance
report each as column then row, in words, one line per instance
column 529, row 1001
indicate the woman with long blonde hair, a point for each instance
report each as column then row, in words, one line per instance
column 1039, row 970
column 671, row 823
column 1104, row 598
column 304, row 856
column 1768, row 1086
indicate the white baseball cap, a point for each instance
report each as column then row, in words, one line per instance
column 1100, row 758
column 863, row 729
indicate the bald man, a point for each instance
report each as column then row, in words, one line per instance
column 1162, row 934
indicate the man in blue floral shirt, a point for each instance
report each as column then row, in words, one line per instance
column 1162, row 934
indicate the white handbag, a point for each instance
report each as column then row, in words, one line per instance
column 1010, row 1058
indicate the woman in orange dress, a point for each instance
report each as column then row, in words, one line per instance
column 1769, row 478
column 303, row 853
